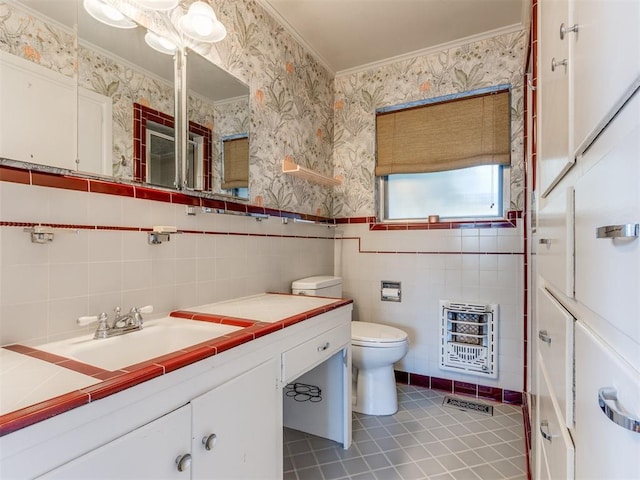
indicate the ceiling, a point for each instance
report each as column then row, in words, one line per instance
column 346, row 35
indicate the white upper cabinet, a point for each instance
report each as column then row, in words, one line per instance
column 554, row 102
column 607, row 211
column 605, row 55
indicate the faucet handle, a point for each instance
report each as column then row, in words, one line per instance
column 146, row 309
column 88, row 320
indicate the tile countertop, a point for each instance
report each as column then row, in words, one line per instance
column 36, row 385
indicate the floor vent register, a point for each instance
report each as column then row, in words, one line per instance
column 467, row 405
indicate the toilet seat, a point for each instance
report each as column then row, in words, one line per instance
column 367, row 334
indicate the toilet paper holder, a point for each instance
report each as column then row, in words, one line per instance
column 390, row 291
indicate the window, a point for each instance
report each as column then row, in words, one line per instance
column 466, row 193
column 235, row 165
column 447, row 157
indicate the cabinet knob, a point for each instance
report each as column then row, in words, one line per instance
column 555, row 64
column 544, row 424
column 322, row 348
column 209, row 441
column 183, row 462
column 544, row 336
column 564, row 30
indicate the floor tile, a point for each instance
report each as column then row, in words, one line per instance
column 423, row 440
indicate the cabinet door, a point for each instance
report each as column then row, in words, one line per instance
column 147, row 452
column 604, row 448
column 554, row 250
column 608, row 195
column 555, row 348
column 554, row 121
column 237, row 429
column 606, row 62
column 555, row 447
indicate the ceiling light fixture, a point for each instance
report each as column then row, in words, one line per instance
column 160, row 44
column 200, row 23
column 158, row 4
column 107, row 14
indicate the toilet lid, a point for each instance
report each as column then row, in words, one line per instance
column 366, row 332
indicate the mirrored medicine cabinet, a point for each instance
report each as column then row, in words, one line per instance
column 89, row 98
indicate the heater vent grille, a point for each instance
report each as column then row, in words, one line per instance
column 468, row 338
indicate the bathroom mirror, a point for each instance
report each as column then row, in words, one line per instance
column 218, row 101
column 87, row 124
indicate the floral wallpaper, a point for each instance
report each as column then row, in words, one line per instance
column 495, row 61
column 296, row 109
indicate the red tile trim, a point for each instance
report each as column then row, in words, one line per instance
column 464, row 388
column 183, row 199
column 442, row 384
column 461, row 388
column 122, row 382
column 70, row 182
column 490, row 393
column 401, row 377
column 120, row 189
column 14, row 175
column 41, row 411
column 512, row 397
column 59, row 181
column 152, row 194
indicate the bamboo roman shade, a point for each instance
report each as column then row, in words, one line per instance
column 445, row 136
column 236, row 163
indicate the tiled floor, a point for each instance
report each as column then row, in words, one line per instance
column 424, row 440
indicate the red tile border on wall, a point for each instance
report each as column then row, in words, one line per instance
column 461, row 388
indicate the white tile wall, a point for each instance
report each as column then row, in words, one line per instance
column 492, row 275
column 45, row 288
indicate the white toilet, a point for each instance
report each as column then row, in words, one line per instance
column 374, row 348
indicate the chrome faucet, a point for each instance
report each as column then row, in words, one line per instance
column 130, row 322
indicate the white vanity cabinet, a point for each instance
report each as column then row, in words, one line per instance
column 201, row 440
column 243, row 444
column 222, row 415
column 148, row 452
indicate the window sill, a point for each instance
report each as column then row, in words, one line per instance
column 374, row 224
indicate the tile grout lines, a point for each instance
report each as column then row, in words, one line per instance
column 423, row 440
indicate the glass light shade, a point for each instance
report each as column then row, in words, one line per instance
column 107, row 14
column 160, row 44
column 200, row 23
column 158, row 4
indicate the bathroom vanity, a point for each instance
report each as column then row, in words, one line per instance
column 215, row 410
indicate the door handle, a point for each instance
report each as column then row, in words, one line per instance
column 608, row 401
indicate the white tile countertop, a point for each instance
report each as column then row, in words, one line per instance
column 26, row 380
column 36, row 384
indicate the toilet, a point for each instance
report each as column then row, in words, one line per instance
column 374, row 350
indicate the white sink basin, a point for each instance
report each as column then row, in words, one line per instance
column 158, row 337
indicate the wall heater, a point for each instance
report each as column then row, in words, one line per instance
column 469, row 338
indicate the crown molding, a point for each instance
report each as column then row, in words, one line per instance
column 516, row 27
column 266, row 5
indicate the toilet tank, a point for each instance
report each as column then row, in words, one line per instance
column 320, row 285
